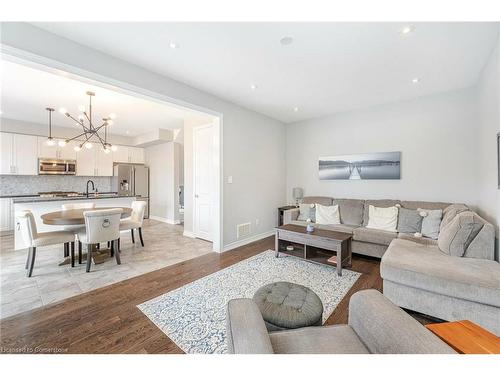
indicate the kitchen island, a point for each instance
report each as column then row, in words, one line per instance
column 42, row 205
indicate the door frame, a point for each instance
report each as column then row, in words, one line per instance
column 43, row 63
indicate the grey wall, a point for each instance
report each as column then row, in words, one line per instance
column 437, row 136
column 23, row 185
column 489, row 116
column 253, row 144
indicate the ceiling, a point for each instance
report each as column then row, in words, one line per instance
column 328, row 68
column 27, row 91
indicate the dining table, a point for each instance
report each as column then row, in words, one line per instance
column 76, row 217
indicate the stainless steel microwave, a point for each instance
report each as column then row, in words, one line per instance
column 55, row 166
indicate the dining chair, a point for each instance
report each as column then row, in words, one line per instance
column 135, row 220
column 76, row 228
column 27, row 226
column 101, row 226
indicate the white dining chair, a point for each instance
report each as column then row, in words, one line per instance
column 135, row 220
column 76, row 228
column 101, row 226
column 27, row 226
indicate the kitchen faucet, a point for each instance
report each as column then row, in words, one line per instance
column 93, row 187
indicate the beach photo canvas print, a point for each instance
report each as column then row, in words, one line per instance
column 373, row 166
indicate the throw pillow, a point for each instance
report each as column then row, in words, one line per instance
column 327, row 214
column 456, row 236
column 383, row 218
column 409, row 221
column 306, row 211
column 431, row 222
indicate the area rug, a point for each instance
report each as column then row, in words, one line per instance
column 194, row 315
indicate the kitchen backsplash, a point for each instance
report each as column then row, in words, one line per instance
column 22, row 185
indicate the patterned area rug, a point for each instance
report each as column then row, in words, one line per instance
column 194, row 316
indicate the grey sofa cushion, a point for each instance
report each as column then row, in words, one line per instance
column 351, row 211
column 386, row 329
column 376, row 236
column 451, row 211
column 339, row 339
column 427, row 268
column 456, row 236
column 409, row 221
column 384, row 203
column 431, row 222
column 420, row 240
column 324, row 201
column 243, row 313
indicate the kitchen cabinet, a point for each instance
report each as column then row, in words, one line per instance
column 6, row 215
column 18, row 154
column 56, row 152
column 94, row 162
column 126, row 154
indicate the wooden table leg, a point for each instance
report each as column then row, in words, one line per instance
column 276, row 245
column 339, row 261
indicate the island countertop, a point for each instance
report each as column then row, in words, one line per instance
column 36, row 199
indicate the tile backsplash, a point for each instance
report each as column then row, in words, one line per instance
column 22, row 185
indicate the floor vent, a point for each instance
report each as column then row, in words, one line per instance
column 243, row 230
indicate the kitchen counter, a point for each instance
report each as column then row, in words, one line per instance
column 34, row 199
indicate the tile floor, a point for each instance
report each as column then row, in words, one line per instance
column 164, row 245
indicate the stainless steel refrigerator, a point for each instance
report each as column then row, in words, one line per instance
column 132, row 180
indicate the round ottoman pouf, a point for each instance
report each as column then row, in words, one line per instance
column 287, row 306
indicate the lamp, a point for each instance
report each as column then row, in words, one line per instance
column 298, row 193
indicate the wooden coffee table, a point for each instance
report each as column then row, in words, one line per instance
column 466, row 337
column 318, row 246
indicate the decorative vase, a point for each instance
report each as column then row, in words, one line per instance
column 310, row 228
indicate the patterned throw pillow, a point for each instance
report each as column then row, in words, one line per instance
column 306, row 211
column 409, row 221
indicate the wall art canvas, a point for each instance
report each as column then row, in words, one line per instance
column 373, row 166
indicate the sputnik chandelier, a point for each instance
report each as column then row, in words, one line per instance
column 89, row 129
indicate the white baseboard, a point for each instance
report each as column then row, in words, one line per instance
column 164, row 220
column 188, row 234
column 246, row 241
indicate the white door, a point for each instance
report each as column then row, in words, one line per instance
column 25, row 154
column 203, row 144
column 6, row 152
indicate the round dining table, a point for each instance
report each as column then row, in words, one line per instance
column 75, row 216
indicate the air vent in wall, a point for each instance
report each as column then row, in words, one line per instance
column 243, row 230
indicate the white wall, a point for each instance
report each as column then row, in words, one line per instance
column 164, row 164
column 489, row 115
column 253, row 144
column 437, row 137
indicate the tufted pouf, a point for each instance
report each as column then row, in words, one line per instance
column 286, row 305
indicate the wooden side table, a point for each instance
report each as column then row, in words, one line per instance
column 281, row 211
column 466, row 337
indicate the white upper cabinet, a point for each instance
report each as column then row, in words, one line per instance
column 56, row 152
column 125, row 154
column 18, row 154
column 136, row 155
column 121, row 155
column 94, row 162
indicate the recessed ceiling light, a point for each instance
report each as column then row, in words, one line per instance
column 407, row 29
column 286, row 40
column 416, row 80
column 127, row 132
column 253, row 87
column 173, row 45
column 296, row 109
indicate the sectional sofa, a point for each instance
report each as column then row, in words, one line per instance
column 420, row 273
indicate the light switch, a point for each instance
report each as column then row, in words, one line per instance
column 230, row 179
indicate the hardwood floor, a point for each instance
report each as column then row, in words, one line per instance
column 107, row 320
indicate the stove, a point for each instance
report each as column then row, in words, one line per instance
column 52, row 194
